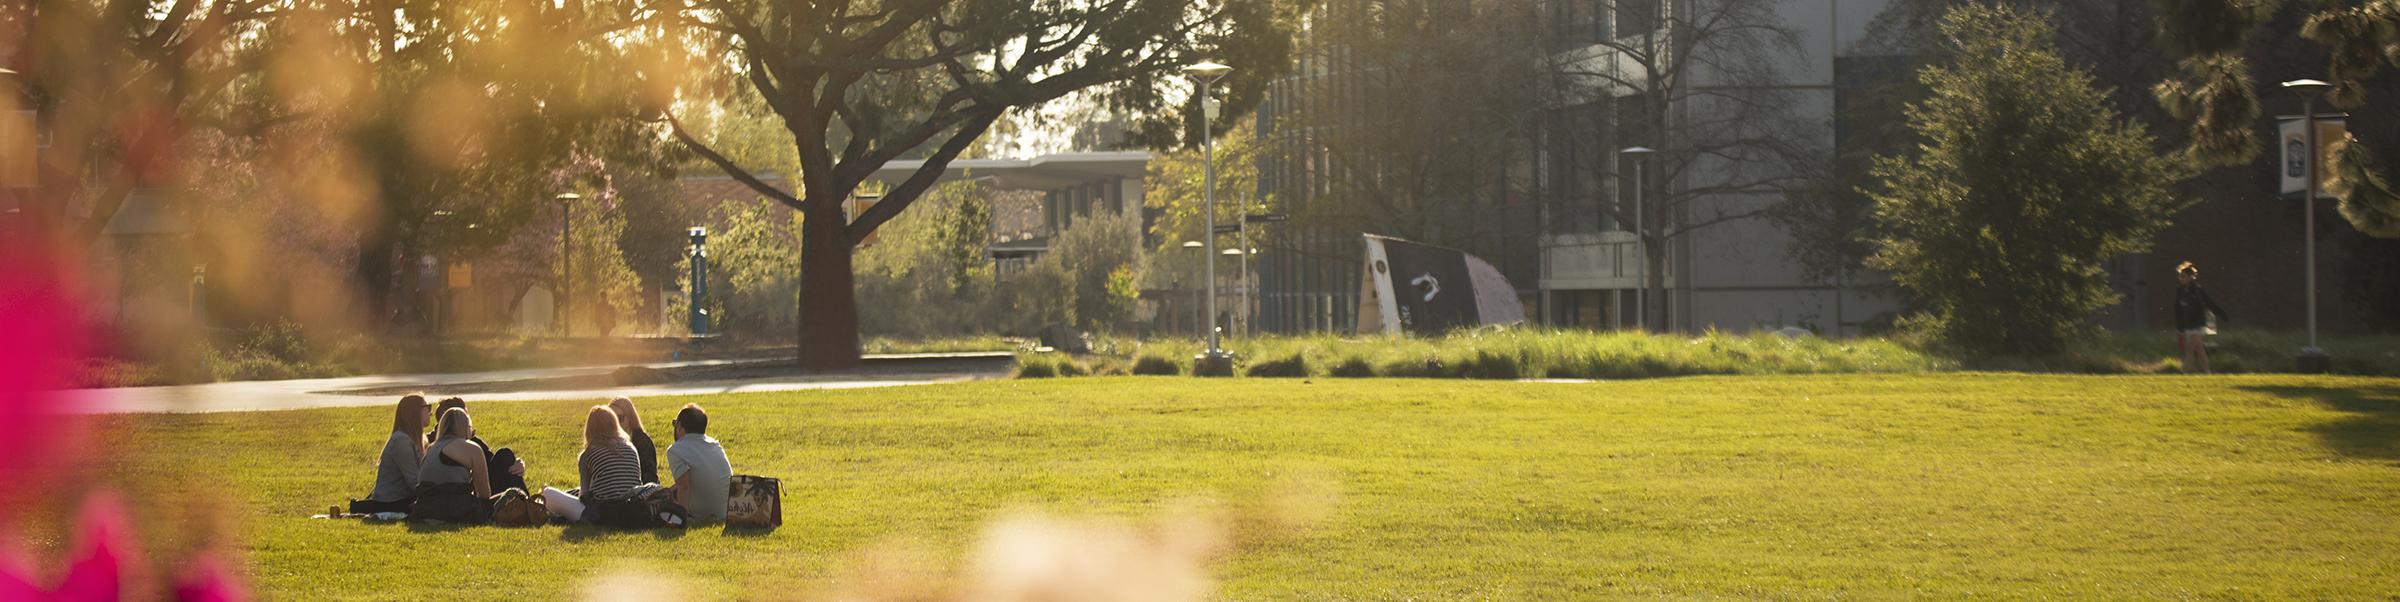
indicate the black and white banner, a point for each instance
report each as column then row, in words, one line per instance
column 1424, row 289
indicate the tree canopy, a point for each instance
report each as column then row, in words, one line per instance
column 2025, row 182
column 858, row 85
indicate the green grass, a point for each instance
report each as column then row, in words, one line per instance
column 1935, row 486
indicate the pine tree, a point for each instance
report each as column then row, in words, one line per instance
column 2027, row 180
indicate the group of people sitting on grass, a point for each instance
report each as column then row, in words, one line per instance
column 451, row 475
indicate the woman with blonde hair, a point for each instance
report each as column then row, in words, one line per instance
column 631, row 422
column 454, row 482
column 609, row 468
column 396, row 470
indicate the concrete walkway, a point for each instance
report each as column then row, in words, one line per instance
column 248, row 396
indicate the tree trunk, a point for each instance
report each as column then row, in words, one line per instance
column 375, row 248
column 828, row 299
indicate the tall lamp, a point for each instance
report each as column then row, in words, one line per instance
column 1215, row 361
column 2312, row 359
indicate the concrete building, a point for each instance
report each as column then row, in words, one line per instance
column 1550, row 205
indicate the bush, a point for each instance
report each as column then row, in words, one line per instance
column 1036, row 367
column 1353, row 367
column 1291, row 366
column 1067, row 366
column 1156, row 365
column 1489, row 365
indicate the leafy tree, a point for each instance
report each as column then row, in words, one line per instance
column 858, row 85
column 2025, row 182
column 926, row 274
column 117, row 85
column 1090, row 252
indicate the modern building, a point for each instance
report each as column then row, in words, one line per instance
column 1071, row 186
column 1549, row 209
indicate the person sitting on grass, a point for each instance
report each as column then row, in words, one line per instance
column 609, row 467
column 514, row 475
column 703, row 476
column 631, row 422
column 454, row 480
column 396, row 471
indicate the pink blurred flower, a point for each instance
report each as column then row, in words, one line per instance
column 42, row 335
column 106, row 564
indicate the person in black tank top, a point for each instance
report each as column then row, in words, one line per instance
column 2192, row 306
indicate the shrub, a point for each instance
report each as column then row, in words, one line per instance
column 1067, row 366
column 1421, row 367
column 1490, row 365
column 1290, row 366
column 1353, row 367
column 1156, row 365
column 1036, row 367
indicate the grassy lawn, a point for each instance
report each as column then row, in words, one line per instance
column 1878, row 486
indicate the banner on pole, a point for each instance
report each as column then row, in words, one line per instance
column 2292, row 142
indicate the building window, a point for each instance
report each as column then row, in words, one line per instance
column 1578, row 21
column 1637, row 17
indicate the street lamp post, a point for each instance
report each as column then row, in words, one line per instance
column 566, row 263
column 1214, row 361
column 1641, row 287
column 2312, row 359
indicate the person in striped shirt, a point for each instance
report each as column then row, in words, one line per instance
column 609, row 466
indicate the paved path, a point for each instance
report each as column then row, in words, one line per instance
column 327, row 392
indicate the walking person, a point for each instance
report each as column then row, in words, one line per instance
column 2192, row 306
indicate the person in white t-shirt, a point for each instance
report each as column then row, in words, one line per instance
column 703, row 477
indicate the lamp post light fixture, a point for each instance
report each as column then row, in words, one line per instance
column 1214, row 361
column 1641, row 287
column 566, row 263
column 2312, row 359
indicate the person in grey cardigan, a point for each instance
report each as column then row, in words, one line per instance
column 396, row 470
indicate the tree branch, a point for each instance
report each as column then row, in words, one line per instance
column 732, row 169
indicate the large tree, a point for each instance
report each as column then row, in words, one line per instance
column 445, row 114
column 2215, row 93
column 116, row 84
column 2024, row 183
column 861, row 84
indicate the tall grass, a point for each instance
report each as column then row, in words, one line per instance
column 1528, row 353
column 1562, row 354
